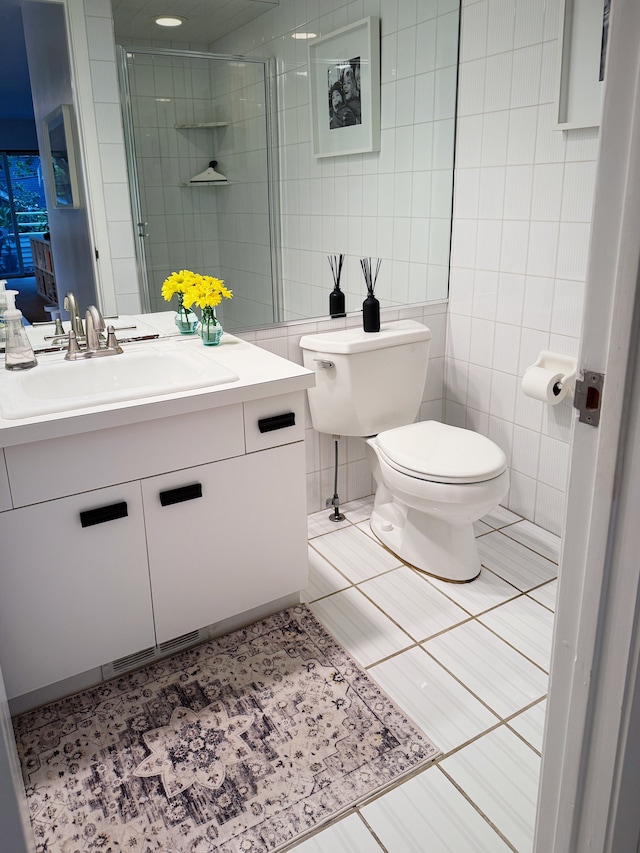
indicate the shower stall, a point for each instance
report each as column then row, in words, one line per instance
column 183, row 110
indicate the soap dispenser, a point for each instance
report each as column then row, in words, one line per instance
column 18, row 352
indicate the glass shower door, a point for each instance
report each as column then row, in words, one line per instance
column 182, row 112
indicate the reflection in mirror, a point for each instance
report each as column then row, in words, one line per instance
column 394, row 204
column 182, row 112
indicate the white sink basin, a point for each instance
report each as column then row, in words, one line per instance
column 148, row 371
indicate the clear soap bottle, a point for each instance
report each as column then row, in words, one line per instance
column 18, row 352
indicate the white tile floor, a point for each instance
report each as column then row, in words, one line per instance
column 468, row 662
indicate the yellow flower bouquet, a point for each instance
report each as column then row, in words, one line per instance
column 206, row 292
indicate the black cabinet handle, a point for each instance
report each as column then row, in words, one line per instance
column 277, row 422
column 89, row 517
column 182, row 493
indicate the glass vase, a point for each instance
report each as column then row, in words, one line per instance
column 210, row 328
column 185, row 319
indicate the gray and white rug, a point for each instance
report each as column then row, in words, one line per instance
column 241, row 744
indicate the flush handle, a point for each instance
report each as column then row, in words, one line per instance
column 324, row 363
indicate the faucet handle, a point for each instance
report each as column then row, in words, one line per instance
column 112, row 341
column 73, row 352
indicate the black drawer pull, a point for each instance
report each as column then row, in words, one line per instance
column 182, row 493
column 277, row 422
column 89, row 517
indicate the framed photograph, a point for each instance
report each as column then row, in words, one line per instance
column 60, row 157
column 344, row 90
column 584, row 28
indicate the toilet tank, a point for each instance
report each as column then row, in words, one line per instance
column 367, row 382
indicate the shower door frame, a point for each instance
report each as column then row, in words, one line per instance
column 272, row 177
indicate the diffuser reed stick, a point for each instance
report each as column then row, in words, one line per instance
column 336, row 297
column 370, row 306
column 335, row 262
column 369, row 277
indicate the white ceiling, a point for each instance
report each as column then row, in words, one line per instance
column 207, row 20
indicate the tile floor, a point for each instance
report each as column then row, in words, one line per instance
column 468, row 662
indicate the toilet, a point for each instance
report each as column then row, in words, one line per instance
column 433, row 481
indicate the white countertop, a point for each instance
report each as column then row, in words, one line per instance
column 262, row 374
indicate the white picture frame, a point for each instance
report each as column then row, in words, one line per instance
column 582, row 49
column 60, row 158
column 344, row 90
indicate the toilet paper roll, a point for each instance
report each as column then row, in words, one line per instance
column 545, row 385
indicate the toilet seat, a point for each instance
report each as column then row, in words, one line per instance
column 436, row 452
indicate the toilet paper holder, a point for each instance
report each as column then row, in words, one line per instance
column 551, row 378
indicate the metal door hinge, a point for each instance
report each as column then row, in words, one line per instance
column 588, row 397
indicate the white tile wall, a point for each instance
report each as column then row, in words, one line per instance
column 522, row 209
column 523, row 196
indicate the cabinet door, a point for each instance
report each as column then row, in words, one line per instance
column 71, row 597
column 241, row 544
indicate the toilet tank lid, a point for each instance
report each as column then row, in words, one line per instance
column 345, row 341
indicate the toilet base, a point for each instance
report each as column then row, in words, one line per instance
column 445, row 551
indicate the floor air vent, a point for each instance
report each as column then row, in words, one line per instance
column 147, row 656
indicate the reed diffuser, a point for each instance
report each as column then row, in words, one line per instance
column 336, row 297
column 370, row 306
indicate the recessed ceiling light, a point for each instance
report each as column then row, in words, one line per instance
column 303, row 35
column 169, row 21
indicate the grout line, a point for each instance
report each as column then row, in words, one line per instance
column 478, row 809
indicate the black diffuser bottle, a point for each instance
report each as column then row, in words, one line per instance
column 336, row 297
column 370, row 306
column 371, row 314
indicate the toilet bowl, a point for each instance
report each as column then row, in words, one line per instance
column 433, row 481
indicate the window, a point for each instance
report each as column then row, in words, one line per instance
column 23, row 212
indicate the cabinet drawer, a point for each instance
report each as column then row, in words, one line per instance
column 65, row 466
column 274, row 421
column 5, row 494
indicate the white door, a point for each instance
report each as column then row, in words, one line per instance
column 589, row 740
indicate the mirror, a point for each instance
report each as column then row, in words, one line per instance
column 394, row 204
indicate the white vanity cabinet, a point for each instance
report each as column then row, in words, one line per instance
column 124, row 538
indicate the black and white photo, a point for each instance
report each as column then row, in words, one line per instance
column 344, row 81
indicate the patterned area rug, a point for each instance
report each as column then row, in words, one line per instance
column 241, row 745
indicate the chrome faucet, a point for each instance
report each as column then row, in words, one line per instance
column 96, row 346
column 71, row 305
column 94, row 324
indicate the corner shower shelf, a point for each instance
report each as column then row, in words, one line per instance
column 203, row 183
column 202, row 124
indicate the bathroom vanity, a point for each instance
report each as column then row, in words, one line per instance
column 128, row 529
